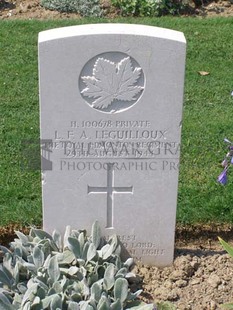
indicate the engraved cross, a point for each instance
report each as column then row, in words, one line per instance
column 110, row 190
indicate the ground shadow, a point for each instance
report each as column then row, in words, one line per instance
column 6, row 6
column 205, row 235
column 197, row 252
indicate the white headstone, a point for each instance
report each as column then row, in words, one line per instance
column 111, row 109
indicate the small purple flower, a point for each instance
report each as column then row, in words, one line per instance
column 222, row 178
column 226, row 163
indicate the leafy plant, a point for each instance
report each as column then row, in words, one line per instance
column 83, row 7
column 42, row 271
column 226, row 246
column 148, row 7
column 166, row 305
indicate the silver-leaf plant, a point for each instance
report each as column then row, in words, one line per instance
column 76, row 272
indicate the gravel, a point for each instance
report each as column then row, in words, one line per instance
column 198, row 279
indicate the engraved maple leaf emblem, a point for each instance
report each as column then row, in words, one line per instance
column 112, row 81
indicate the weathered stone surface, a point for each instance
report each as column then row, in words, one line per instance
column 111, row 110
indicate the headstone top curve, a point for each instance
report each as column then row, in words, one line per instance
column 98, row 29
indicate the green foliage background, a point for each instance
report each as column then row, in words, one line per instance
column 83, row 7
column 149, row 8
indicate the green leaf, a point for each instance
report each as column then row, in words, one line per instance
column 29, row 294
column 51, row 292
column 73, row 270
column 4, row 278
column 121, row 289
column 56, row 303
column 5, row 305
column 85, row 250
column 46, row 301
column 96, row 234
column 86, row 306
column 22, row 237
column 133, row 296
column 129, row 262
column 16, row 301
column 18, row 251
column 117, row 250
column 96, row 291
column 74, row 246
column 93, row 277
column 30, row 267
column 121, row 273
column 83, row 270
column 5, row 250
column 91, row 253
column 227, row 306
column 81, row 239
column 41, row 293
column 51, row 245
column 86, row 289
column 81, row 262
column 7, row 266
column 42, row 234
column 130, row 275
column 73, row 306
column 118, row 262
column 226, row 246
column 16, row 272
column 66, row 258
column 76, row 297
column 104, row 306
column 57, row 287
column 66, row 236
column 113, row 240
column 36, row 301
column 53, row 269
column 3, row 296
column 107, row 251
column 22, row 288
column 75, row 233
column 38, row 257
column 46, row 263
column 116, row 305
column 57, row 239
column 27, row 306
column 109, row 277
column 40, row 280
column 103, row 303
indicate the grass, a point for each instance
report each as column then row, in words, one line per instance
column 208, row 108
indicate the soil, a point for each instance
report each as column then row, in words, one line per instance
column 201, row 277
column 31, row 9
